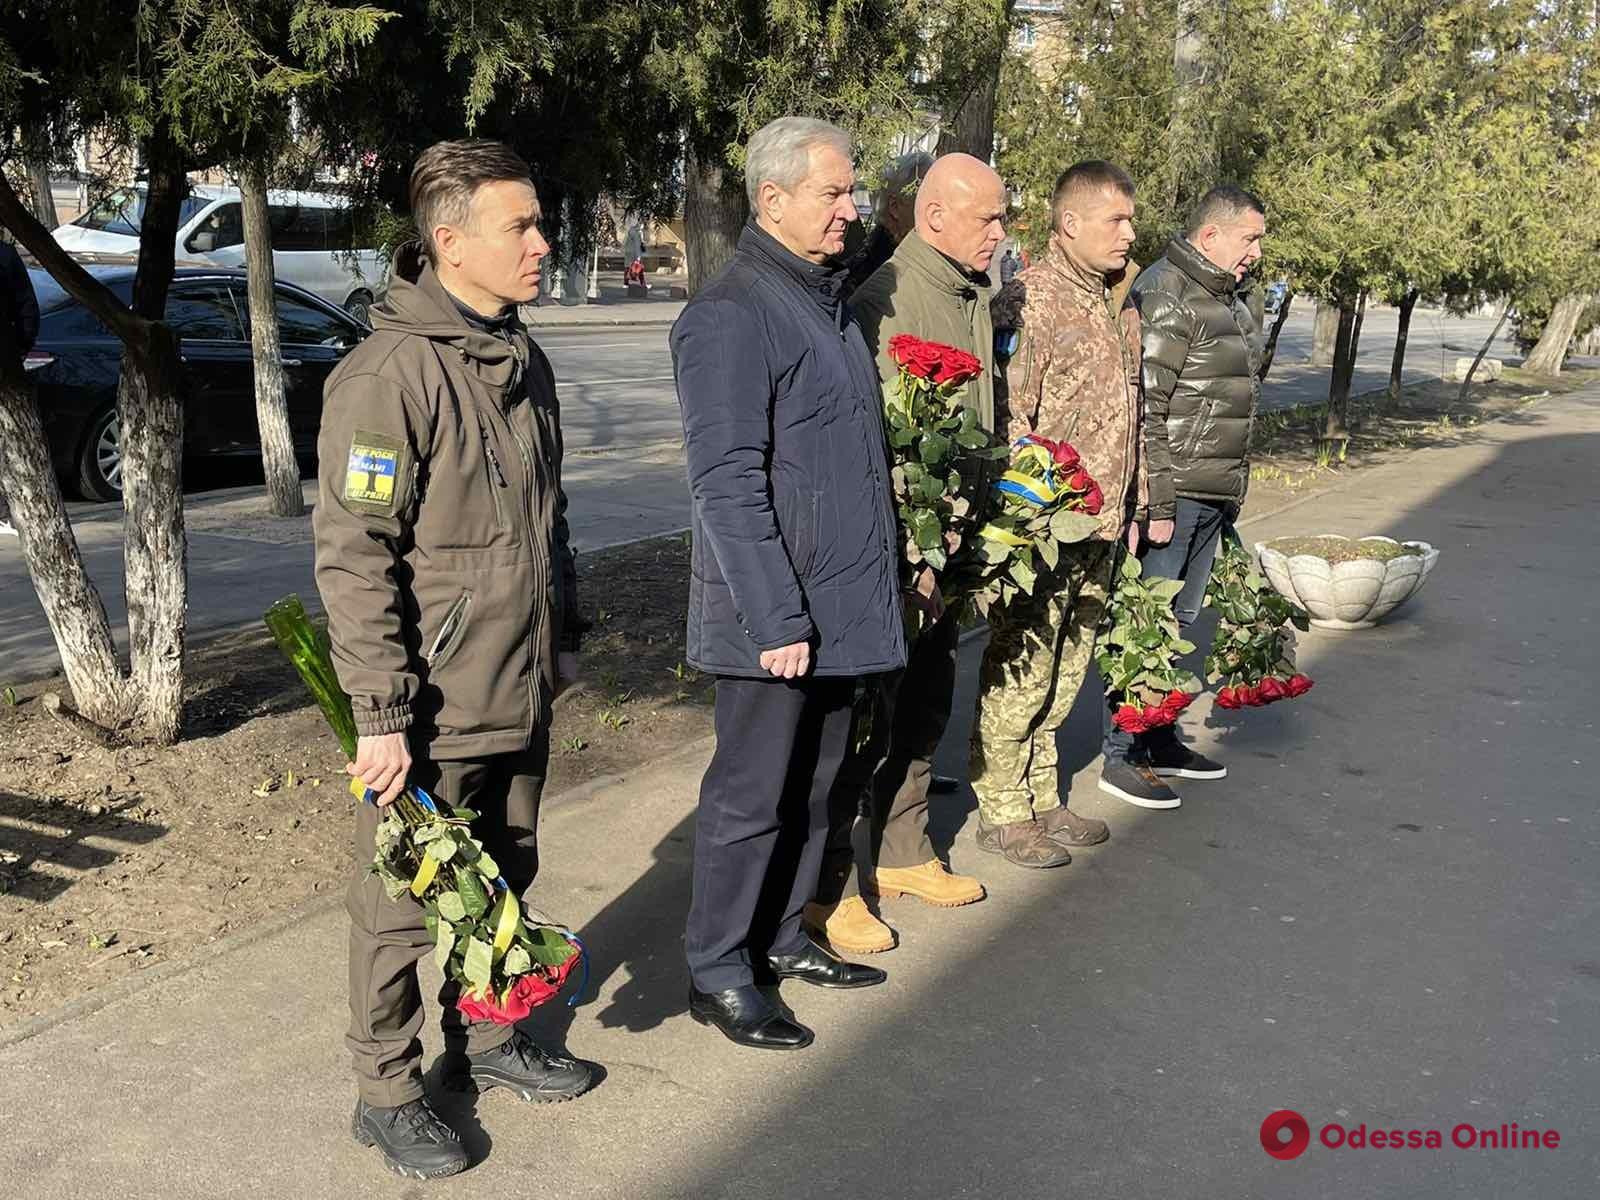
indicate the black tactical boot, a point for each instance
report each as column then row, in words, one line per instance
column 531, row 1072
column 414, row 1141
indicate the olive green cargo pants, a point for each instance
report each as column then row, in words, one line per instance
column 1036, row 660
column 387, row 937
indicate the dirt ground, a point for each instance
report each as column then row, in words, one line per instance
column 113, row 860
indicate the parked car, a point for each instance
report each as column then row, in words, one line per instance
column 76, row 362
column 312, row 238
column 1275, row 293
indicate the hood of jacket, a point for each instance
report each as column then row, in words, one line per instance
column 419, row 305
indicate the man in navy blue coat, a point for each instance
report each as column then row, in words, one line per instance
column 794, row 592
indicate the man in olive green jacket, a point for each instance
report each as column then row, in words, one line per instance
column 935, row 287
column 442, row 559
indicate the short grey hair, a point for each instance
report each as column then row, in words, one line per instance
column 899, row 176
column 780, row 151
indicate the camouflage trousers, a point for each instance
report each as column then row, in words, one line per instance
column 1038, row 654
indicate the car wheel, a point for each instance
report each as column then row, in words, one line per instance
column 359, row 306
column 100, row 458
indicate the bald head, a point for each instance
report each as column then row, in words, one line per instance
column 961, row 209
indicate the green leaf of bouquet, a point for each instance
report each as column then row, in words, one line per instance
column 1023, row 574
column 1131, row 569
column 1069, row 526
column 1166, row 590
column 935, row 558
column 487, row 867
column 1050, row 551
column 901, row 438
column 444, row 947
column 473, row 896
column 517, row 961
column 451, row 906
column 443, row 849
column 478, row 962
column 548, row 947
column 1182, row 646
column 934, row 449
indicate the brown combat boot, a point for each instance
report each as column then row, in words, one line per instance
column 1024, row 843
column 1068, row 828
column 930, row 883
column 848, row 926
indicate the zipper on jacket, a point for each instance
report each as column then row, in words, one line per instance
column 541, row 564
column 450, row 632
column 497, row 477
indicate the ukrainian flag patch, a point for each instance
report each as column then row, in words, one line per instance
column 373, row 472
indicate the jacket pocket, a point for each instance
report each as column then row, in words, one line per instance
column 799, row 528
column 452, row 631
column 494, row 473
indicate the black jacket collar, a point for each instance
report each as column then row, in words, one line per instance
column 823, row 282
column 1183, row 255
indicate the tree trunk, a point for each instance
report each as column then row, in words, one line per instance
column 1482, row 350
column 1550, row 353
column 71, row 603
column 1271, row 351
column 714, row 212
column 1355, row 331
column 1191, row 149
column 44, row 200
column 278, row 463
column 1408, row 303
column 969, row 129
column 150, row 409
column 1337, row 423
column 1324, row 334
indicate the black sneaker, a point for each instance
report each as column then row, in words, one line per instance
column 528, row 1070
column 414, row 1141
column 1137, row 783
column 1177, row 761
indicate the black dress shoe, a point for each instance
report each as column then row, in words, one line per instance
column 747, row 1018
column 816, row 965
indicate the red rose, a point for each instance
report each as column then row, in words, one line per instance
column 1252, row 696
column 1272, row 690
column 1129, row 719
column 902, row 347
column 524, row 995
column 1157, row 715
column 957, row 366
column 1066, row 457
column 1228, row 698
column 1093, row 501
column 1177, row 701
column 1298, row 685
column 915, row 356
column 1080, row 480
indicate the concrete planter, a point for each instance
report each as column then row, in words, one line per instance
column 1348, row 595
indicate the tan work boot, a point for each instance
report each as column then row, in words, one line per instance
column 930, row 883
column 849, row 926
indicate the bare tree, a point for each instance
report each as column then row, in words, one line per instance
column 282, row 470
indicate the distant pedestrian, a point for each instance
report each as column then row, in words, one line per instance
column 1202, row 344
column 794, row 592
column 893, row 215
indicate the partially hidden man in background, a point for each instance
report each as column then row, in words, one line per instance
column 794, row 590
column 443, row 562
column 935, row 287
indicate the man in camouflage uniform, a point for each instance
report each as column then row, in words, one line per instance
column 1073, row 374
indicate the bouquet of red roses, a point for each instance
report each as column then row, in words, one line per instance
column 1045, row 499
column 1253, row 650
column 506, row 962
column 931, row 434
column 1138, row 657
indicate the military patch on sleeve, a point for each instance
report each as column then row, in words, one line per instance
column 372, row 476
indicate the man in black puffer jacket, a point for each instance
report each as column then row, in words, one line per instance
column 794, row 587
column 1201, row 333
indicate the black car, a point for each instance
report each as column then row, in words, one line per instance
column 76, row 361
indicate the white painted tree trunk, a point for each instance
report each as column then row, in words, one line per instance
column 1548, row 356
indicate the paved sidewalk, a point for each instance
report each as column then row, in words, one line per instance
column 1384, row 917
